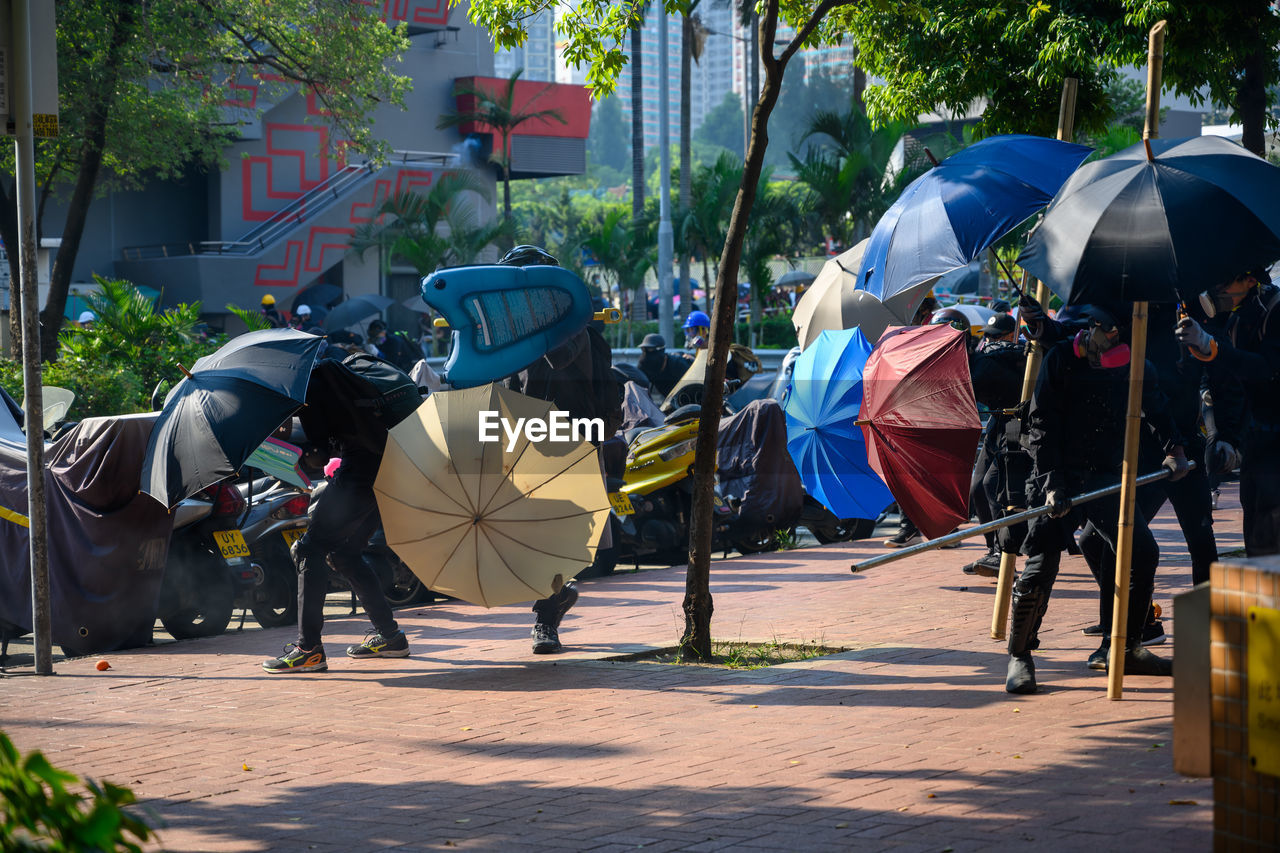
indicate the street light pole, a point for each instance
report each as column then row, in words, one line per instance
column 666, row 325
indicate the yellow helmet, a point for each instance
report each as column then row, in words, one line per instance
column 268, row 300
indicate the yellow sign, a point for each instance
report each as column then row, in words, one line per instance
column 231, row 543
column 1263, row 677
column 44, row 125
column 621, row 503
column 292, row 535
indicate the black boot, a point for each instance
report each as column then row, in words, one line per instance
column 1139, row 661
column 1027, row 610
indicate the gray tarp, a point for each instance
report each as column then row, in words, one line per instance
column 107, row 541
column 755, row 467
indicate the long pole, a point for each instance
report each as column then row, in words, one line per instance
column 997, row 524
column 665, row 235
column 1035, row 352
column 1133, row 418
column 25, row 172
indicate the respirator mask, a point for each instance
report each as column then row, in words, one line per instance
column 1101, row 350
column 1215, row 302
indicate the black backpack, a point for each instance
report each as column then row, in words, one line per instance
column 381, row 390
column 355, row 401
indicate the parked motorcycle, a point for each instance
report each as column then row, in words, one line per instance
column 203, row 570
column 272, row 522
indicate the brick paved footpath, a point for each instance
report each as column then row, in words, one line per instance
column 906, row 742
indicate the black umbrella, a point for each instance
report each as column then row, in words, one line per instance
column 793, row 278
column 355, row 309
column 319, row 296
column 1142, row 223
column 230, row 402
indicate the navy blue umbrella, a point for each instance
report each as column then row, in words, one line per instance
column 823, row 437
column 1144, row 222
column 951, row 214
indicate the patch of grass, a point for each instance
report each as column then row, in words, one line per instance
column 737, row 654
column 786, row 540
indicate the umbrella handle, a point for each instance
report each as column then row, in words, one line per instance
column 185, row 372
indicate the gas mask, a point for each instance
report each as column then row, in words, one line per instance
column 1215, row 302
column 1101, row 351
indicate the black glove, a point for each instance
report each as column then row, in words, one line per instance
column 1220, row 457
column 1059, row 503
column 1029, row 309
column 1176, row 462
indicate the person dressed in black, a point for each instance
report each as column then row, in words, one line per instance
column 392, row 348
column 343, row 518
column 997, row 368
column 663, row 369
column 270, row 313
column 1076, row 440
column 577, row 378
column 1248, row 351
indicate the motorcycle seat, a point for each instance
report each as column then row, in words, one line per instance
column 684, row 413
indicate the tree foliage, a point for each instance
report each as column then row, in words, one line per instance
column 145, row 88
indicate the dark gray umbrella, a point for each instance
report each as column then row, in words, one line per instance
column 1137, row 225
column 230, row 402
column 794, row 278
column 356, row 309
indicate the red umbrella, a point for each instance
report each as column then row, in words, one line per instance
column 921, row 423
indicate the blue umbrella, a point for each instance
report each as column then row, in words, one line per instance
column 822, row 434
column 951, row 214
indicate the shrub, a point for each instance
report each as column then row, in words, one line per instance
column 101, row 388
column 38, row 812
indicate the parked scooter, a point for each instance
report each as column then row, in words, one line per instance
column 272, row 521
column 206, row 550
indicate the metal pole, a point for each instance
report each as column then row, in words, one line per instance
column 998, row 524
column 24, row 167
column 666, row 326
column 1035, row 352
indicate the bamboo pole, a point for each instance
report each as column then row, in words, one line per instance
column 1133, row 419
column 1035, row 352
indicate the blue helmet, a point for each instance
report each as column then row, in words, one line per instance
column 697, row 320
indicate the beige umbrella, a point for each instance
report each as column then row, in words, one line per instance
column 830, row 300
column 490, row 522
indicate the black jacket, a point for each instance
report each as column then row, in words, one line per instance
column 1249, row 352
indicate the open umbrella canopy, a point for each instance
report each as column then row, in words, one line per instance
column 794, row 278
column 950, row 214
column 356, row 309
column 490, row 522
column 921, row 423
column 825, row 442
column 1134, row 227
column 213, row 420
column 834, row 302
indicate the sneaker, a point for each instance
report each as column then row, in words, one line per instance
column 1098, row 660
column 297, row 659
column 546, row 640
column 904, row 538
column 987, row 566
column 1153, row 633
column 377, row 646
column 1094, row 630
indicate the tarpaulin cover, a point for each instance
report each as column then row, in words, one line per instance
column 755, row 467
column 921, row 423
column 107, row 542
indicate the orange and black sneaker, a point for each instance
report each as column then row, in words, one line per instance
column 297, row 659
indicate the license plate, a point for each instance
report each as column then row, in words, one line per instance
column 231, row 543
column 621, row 503
column 293, row 535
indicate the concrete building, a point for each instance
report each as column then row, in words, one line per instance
column 278, row 218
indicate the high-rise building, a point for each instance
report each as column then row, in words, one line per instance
column 537, row 56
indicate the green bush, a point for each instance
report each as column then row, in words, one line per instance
column 101, row 388
column 39, row 813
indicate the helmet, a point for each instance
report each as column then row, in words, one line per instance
column 303, row 311
column 86, row 317
column 376, row 326
column 653, row 341
column 697, row 320
column 268, row 300
column 952, row 317
column 529, row 256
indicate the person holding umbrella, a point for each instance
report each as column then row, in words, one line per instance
column 575, row 377
column 340, row 415
column 1076, row 431
column 1248, row 349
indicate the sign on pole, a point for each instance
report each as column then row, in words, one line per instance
column 44, row 69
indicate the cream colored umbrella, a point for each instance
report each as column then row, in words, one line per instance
column 490, row 522
column 830, row 300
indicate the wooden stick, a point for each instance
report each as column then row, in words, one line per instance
column 185, row 372
column 1133, row 419
column 1008, row 562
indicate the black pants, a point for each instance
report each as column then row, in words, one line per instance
column 1260, row 492
column 980, row 493
column 1047, row 537
column 342, row 520
column 1099, row 552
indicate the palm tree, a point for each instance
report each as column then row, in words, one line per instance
column 705, row 223
column 692, row 37
column 502, row 114
column 427, row 231
column 624, row 249
column 638, row 8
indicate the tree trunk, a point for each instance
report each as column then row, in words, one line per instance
column 637, row 128
column 9, row 233
column 90, row 160
column 859, row 84
column 698, row 605
column 686, row 156
column 1253, row 104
